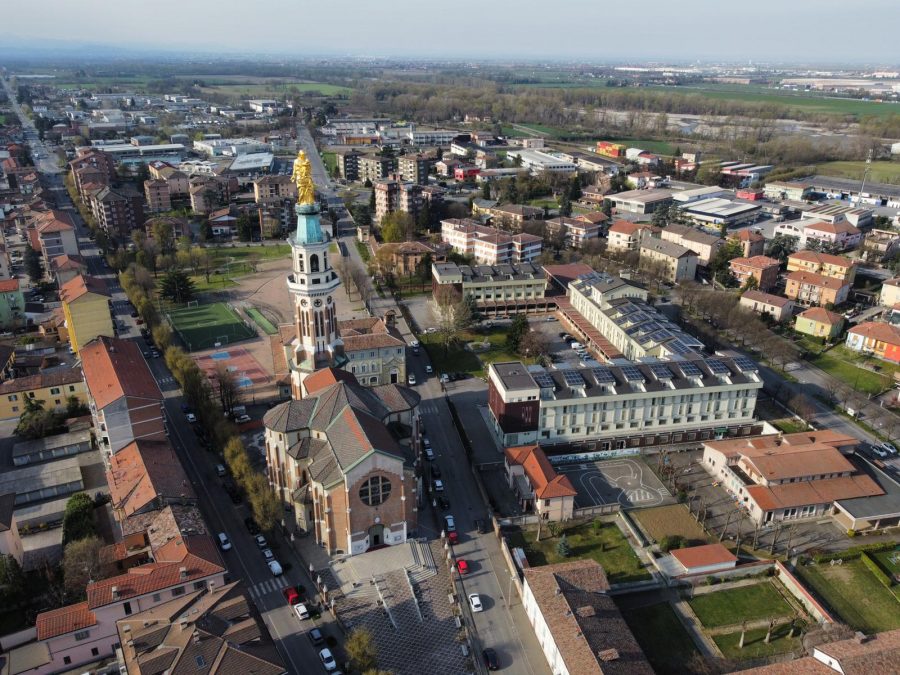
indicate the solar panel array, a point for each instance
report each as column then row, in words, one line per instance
column 745, row 364
column 632, row 374
column 603, row 375
column 661, row 371
column 544, row 381
column 573, row 378
column 678, row 347
column 717, row 367
column 689, row 369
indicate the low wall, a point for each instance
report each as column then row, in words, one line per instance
column 804, row 597
column 596, row 510
column 635, row 531
column 11, row 640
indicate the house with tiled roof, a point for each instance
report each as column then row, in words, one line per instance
column 705, row 559
column 875, row 337
column 12, row 304
column 624, row 235
column 789, row 477
column 577, row 624
column 85, row 305
column 54, row 232
column 64, row 267
column 762, row 269
column 577, row 230
column 342, row 457
column 752, row 243
column 145, row 476
column 676, row 262
column 213, row 630
column 840, row 235
column 776, row 306
column 826, row 264
column 125, row 400
column 811, row 288
column 372, row 350
column 52, row 386
column 537, row 485
column 819, row 322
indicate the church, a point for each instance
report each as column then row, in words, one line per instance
column 339, row 454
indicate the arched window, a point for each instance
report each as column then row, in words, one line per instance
column 313, row 263
column 300, row 262
column 375, row 491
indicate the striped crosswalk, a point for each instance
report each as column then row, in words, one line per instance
column 263, row 588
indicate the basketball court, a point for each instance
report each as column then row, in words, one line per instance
column 248, row 374
column 625, row 481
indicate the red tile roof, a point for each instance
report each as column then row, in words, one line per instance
column 42, row 380
column 64, row 620
column 766, row 298
column 146, row 471
column 876, row 330
column 789, row 495
column 547, row 484
column 816, row 279
column 81, row 284
column 821, row 258
column 822, row 315
column 325, row 378
column 54, row 221
column 757, row 262
column 834, row 228
column 114, row 368
column 9, row 285
column 701, row 556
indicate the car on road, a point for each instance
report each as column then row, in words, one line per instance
column 154, row 354
column 411, row 379
column 315, row 636
column 438, row 486
column 449, row 523
column 435, row 471
column 242, row 419
column 261, row 541
column 462, row 566
column 275, row 568
column 224, row 544
column 191, row 418
column 414, row 343
column 489, row 656
column 889, row 448
column 429, row 453
column 327, row 659
column 251, row 526
column 429, row 370
column 475, row 602
column 879, row 451
column 267, row 554
column 445, row 378
column 302, row 611
column 291, row 594
column 220, row 471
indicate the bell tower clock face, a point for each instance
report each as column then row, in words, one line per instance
column 317, row 303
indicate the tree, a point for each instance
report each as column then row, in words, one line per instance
column 446, row 302
column 78, row 519
column 372, row 201
column 177, row 286
column 75, row 408
column 163, row 233
column 517, row 331
column 360, row 648
column 12, row 581
column 485, row 190
column 534, row 344
column 362, row 214
column 575, row 192
column 229, row 394
column 565, row 206
column 37, row 422
column 563, row 548
column 397, row 226
column 81, row 565
column 267, row 509
column 33, row 266
column 781, row 246
column 244, row 227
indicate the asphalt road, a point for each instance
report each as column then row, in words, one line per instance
column 43, row 156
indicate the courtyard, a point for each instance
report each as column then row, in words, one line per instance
column 625, row 481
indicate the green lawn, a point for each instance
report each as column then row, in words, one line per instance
column 276, row 88
column 887, row 561
column 660, row 634
column 216, row 282
column 854, row 594
column 364, row 252
column 455, row 359
column 261, row 321
column 755, row 645
column 242, row 252
column 459, row 359
column 837, row 362
column 204, row 325
column 330, row 162
column 603, row 543
column 728, row 607
column 880, row 172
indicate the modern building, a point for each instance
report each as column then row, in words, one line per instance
column 415, row 168
column 488, row 245
column 118, row 212
column 678, row 263
column 837, row 213
column 508, row 216
column 536, row 484
column 85, row 304
column 761, row 268
column 628, row 406
column 876, row 338
column 393, row 195
column 776, row 306
column 156, row 192
column 641, row 201
column 375, row 167
column 498, row 290
column 125, row 401
column 624, row 235
column 702, row 243
column 53, row 387
column 374, row 350
column 12, row 304
column 577, row 623
column 788, row 477
column 270, row 189
column 231, row 147
column 722, row 212
column 819, row 322
column 809, row 288
column 347, row 162
column 834, row 266
column 55, row 232
column 541, row 162
column 336, row 456
column 840, row 235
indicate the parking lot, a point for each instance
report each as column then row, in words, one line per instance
column 625, row 481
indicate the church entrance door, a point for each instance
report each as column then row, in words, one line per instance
column 376, row 536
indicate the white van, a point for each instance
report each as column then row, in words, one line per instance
column 576, row 346
column 224, row 544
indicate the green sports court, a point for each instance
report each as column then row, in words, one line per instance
column 207, row 326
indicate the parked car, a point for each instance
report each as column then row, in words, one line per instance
column 224, row 544
column 411, row 379
column 220, row 471
column 429, row 454
column 879, row 451
column 261, row 541
column 302, row 611
column 429, row 370
column 242, row 419
column 889, row 448
column 327, row 659
column 449, row 524
column 475, row 602
column 291, row 595
column 435, row 471
column 251, row 526
column 444, row 503
column 489, row 656
column 315, row 636
column 268, row 555
column 275, row 568
column 462, row 566
column 191, row 418
column 438, row 486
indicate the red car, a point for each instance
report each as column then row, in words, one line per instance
column 453, row 538
column 291, row 595
column 462, row 566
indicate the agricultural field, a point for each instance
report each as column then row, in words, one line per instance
column 879, row 172
column 672, row 520
column 274, row 88
column 659, row 147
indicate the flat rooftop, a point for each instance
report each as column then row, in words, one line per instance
column 882, row 506
column 514, row 375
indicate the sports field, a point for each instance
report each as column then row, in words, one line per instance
column 206, row 326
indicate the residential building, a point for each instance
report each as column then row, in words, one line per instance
column 677, row 262
column 792, row 191
column 809, row 288
column 347, row 162
column 415, row 168
column 577, row 231
column 702, row 243
column 510, row 216
column 840, row 236
column 776, row 306
column 876, row 338
column 146, row 476
column 125, row 401
column 373, row 350
column 215, row 629
column 156, row 192
column 890, row 292
column 65, row 267
column 761, row 268
column 489, row 245
column 118, row 212
column 881, row 245
column 819, row 322
column 85, row 304
column 834, row 266
column 536, row 484
column 392, row 195
column 615, row 407
column 55, row 234
column 274, row 188
column 12, row 304
column 209, row 192
column 94, row 159
column 10, row 541
column 177, row 181
column 375, row 167
column 641, row 201
column 752, row 243
column 53, row 387
column 407, row 257
column 332, row 455
column 499, row 290
column 788, row 477
column 627, row 236
column 577, row 623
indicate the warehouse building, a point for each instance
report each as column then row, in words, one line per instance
column 641, row 201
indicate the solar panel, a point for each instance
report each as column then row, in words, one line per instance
column 661, row 371
column 544, row 381
column 678, row 347
column 632, row 374
column 603, row 375
column 745, row 364
column 573, row 378
column 717, row 367
column 689, row 369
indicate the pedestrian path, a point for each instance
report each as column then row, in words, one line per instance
column 264, row 588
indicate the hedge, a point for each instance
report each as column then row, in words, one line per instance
column 856, row 552
column 875, row 569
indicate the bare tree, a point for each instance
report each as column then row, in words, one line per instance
column 229, row 394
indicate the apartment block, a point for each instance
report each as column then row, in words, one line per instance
column 834, row 266
column 118, row 212
column 761, row 268
column 488, row 245
column 809, row 288
column 627, row 236
column 678, row 262
column 375, row 167
column 348, row 164
column 415, row 168
column 498, row 290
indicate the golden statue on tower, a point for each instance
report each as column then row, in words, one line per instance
column 302, row 178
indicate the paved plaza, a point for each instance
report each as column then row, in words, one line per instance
column 625, row 481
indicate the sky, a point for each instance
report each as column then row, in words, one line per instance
column 807, row 31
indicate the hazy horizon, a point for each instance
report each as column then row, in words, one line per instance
column 802, row 31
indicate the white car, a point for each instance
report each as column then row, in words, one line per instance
column 268, row 555
column 889, row 448
column 261, row 541
column 242, row 419
column 429, row 454
column 438, row 485
column 190, row 417
column 327, row 659
column 881, row 452
column 414, row 343
column 429, row 370
column 301, row 611
column 449, row 524
column 275, row 568
column 475, row 602
column 411, row 379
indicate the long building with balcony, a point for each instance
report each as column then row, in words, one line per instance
column 498, row 290
column 489, row 245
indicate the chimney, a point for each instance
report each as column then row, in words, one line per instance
column 115, row 592
column 860, row 637
column 182, row 573
column 195, row 638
